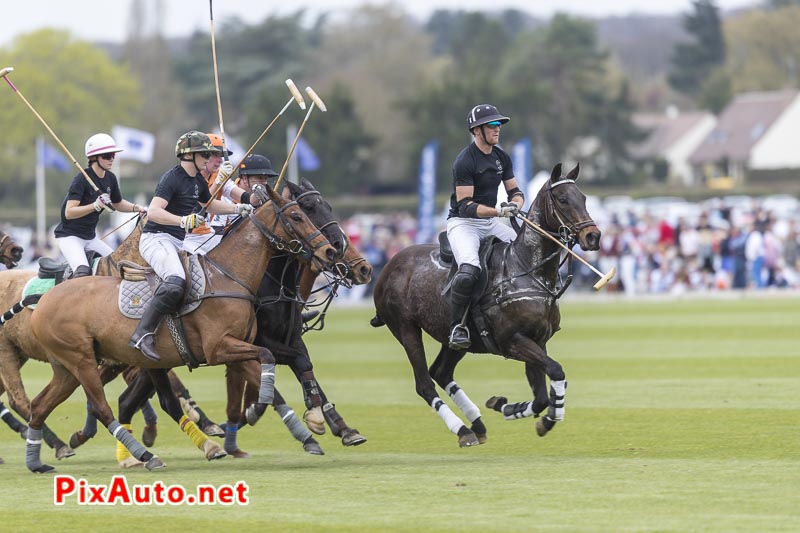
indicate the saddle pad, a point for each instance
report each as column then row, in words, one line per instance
column 135, row 295
column 37, row 285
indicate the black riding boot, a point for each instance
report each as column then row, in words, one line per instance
column 81, row 271
column 460, row 296
column 166, row 300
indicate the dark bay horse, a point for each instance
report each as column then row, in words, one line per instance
column 520, row 306
column 78, row 322
column 10, row 251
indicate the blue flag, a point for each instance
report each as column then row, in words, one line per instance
column 426, row 225
column 47, row 156
column 523, row 165
column 306, row 158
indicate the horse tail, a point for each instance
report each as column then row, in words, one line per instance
column 376, row 321
column 31, row 299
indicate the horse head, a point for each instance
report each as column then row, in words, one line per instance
column 286, row 226
column 10, row 251
column 561, row 207
column 359, row 271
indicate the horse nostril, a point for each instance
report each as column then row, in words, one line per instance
column 330, row 253
column 366, row 272
column 16, row 251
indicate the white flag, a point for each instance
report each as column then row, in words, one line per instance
column 138, row 145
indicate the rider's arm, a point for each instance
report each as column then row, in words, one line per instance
column 514, row 193
column 218, row 207
column 75, row 210
column 157, row 212
column 465, row 192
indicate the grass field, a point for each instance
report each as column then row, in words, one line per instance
column 681, row 416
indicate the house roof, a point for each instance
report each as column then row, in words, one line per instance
column 740, row 126
column 665, row 129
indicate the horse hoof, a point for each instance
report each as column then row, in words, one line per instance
column 213, row 430
column 149, row 434
column 76, row 439
column 130, row 462
column 155, row 464
column 496, row 403
column 482, row 438
column 468, row 439
column 239, row 454
column 254, row 413
column 213, row 450
column 312, row 447
column 351, row 437
column 43, row 469
column 543, row 426
column 64, row 451
column 315, row 421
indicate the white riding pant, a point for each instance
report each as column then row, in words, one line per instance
column 160, row 250
column 465, row 236
column 201, row 244
column 74, row 249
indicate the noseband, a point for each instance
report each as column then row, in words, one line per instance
column 567, row 230
column 331, row 223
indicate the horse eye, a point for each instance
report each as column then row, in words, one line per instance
column 297, row 217
column 563, row 201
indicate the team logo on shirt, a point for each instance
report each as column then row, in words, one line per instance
column 196, row 191
column 499, row 166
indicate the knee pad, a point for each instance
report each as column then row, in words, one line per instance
column 169, row 294
column 464, row 281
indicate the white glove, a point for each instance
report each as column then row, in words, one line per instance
column 224, row 172
column 103, row 200
column 508, row 209
column 243, row 210
column 190, row 222
column 260, row 195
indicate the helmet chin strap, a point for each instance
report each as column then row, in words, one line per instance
column 194, row 162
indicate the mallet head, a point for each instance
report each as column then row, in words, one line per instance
column 605, row 279
column 298, row 96
column 6, row 71
column 316, row 99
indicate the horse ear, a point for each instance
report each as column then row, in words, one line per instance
column 573, row 174
column 307, row 185
column 556, row 173
column 293, row 188
column 274, row 196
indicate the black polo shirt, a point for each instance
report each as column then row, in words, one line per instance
column 182, row 193
column 84, row 227
column 483, row 171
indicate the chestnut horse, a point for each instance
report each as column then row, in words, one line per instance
column 78, row 322
column 519, row 304
column 10, row 251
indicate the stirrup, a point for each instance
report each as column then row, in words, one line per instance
column 138, row 343
column 459, row 337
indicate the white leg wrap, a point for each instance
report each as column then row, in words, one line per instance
column 513, row 411
column 470, row 410
column 557, row 391
column 452, row 422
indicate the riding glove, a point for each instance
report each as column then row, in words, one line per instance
column 103, row 200
column 193, row 221
column 243, row 210
column 508, row 209
column 224, row 172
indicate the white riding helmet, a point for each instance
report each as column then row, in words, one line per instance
column 101, row 143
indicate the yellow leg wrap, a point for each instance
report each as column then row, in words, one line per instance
column 193, row 432
column 122, row 451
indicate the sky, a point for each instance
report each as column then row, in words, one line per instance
column 106, row 20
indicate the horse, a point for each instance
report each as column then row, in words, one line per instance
column 519, row 306
column 76, row 336
column 10, row 251
column 279, row 327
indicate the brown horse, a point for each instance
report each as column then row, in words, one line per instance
column 519, row 305
column 78, row 322
column 10, row 251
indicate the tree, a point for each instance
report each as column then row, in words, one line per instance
column 75, row 103
column 691, row 62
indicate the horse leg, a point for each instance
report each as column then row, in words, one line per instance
column 192, row 410
column 235, row 383
column 12, row 421
column 442, row 371
column 232, row 350
column 150, row 431
column 537, row 364
column 411, row 339
column 300, row 432
column 169, row 403
column 107, row 374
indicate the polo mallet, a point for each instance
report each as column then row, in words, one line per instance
column 4, row 74
column 216, row 80
column 296, row 97
column 118, row 227
column 315, row 100
column 604, row 278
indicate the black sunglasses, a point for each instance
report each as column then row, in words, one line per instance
column 205, row 155
column 108, row 157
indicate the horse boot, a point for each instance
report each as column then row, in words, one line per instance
column 166, row 300
column 460, row 296
column 81, row 271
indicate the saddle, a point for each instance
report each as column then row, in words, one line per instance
column 50, row 274
column 476, row 321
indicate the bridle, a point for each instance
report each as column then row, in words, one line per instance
column 567, row 230
column 298, row 245
column 5, row 245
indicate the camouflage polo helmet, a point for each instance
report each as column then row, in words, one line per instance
column 193, row 141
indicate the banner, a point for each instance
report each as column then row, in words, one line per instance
column 306, row 158
column 522, row 158
column 138, row 145
column 426, row 222
column 49, row 157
